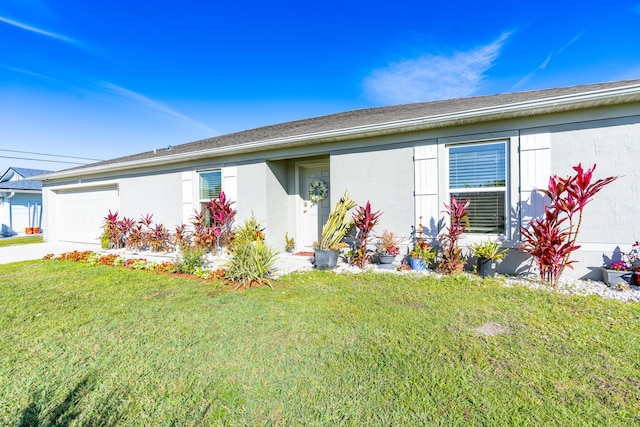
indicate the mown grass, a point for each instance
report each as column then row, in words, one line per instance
column 26, row 240
column 91, row 345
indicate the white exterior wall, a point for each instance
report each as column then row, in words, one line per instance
column 610, row 221
column 381, row 176
column 158, row 194
column 277, row 219
column 15, row 214
column 252, row 191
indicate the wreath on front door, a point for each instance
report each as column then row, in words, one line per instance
column 318, row 191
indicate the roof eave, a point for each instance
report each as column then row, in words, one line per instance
column 620, row 95
column 19, row 190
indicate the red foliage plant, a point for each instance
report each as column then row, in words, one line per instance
column 452, row 260
column 364, row 220
column 213, row 225
column 551, row 239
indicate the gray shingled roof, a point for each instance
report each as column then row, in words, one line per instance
column 26, row 173
column 21, row 184
column 363, row 117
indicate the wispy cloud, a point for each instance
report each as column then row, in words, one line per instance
column 29, row 73
column 138, row 100
column 176, row 118
column 40, row 31
column 433, row 77
column 546, row 62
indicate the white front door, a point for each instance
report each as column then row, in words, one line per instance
column 313, row 216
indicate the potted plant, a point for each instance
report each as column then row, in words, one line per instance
column 422, row 256
column 387, row 247
column 289, row 243
column 624, row 270
column 488, row 253
column 333, row 231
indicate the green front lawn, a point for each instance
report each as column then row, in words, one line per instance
column 93, row 345
column 25, row 240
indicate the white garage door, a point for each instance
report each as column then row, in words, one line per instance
column 81, row 213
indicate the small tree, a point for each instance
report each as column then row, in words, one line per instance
column 552, row 239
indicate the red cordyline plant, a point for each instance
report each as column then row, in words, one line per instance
column 451, row 260
column 110, row 235
column 213, row 225
column 552, row 239
column 222, row 216
column 364, row 220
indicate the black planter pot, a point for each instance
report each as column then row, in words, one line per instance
column 325, row 260
column 487, row 267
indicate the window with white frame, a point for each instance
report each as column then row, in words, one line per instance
column 210, row 185
column 478, row 172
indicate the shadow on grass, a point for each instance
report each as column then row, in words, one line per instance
column 104, row 413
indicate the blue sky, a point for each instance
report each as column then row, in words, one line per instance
column 100, row 80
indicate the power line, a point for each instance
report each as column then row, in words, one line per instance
column 42, row 160
column 49, row 155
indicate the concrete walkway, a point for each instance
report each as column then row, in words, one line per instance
column 286, row 263
column 33, row 251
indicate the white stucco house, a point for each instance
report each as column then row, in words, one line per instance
column 405, row 159
column 20, row 200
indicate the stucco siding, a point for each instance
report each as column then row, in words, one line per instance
column 252, row 195
column 384, row 177
column 277, row 219
column 611, row 219
column 157, row 194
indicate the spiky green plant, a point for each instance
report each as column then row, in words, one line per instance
column 338, row 223
column 252, row 260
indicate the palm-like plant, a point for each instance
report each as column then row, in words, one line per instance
column 338, row 223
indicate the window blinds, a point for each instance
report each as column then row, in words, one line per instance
column 477, row 172
column 210, row 185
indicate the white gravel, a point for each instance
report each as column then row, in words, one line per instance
column 569, row 287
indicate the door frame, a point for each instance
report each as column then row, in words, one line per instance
column 299, row 165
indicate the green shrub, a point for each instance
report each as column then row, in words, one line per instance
column 190, row 259
column 252, row 260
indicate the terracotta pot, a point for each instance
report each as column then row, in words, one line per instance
column 28, row 230
column 36, row 230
